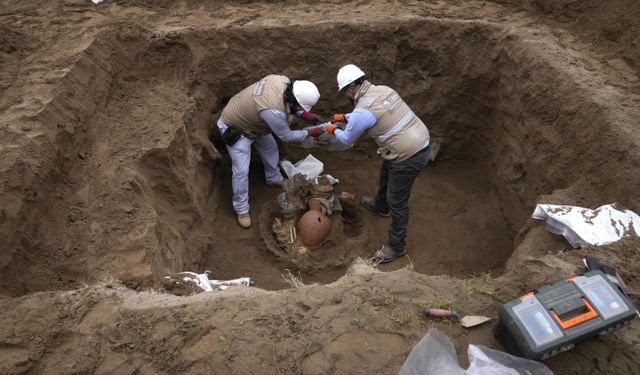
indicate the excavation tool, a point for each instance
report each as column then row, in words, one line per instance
column 554, row 318
column 593, row 264
column 466, row 321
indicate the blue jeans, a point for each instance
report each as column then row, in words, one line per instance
column 394, row 189
column 240, row 154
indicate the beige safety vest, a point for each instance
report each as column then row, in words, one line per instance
column 398, row 131
column 242, row 110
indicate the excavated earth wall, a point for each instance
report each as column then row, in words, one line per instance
column 107, row 178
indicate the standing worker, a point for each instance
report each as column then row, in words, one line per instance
column 251, row 116
column 403, row 141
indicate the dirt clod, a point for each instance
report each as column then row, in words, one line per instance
column 109, row 182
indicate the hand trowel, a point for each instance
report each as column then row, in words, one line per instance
column 467, row 321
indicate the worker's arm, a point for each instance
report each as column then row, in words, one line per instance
column 277, row 121
column 358, row 122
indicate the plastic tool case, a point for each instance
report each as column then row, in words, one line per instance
column 542, row 324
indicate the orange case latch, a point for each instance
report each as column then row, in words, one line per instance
column 588, row 315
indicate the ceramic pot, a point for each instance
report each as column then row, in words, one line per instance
column 315, row 205
column 314, row 227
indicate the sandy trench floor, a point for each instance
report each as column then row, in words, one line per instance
column 109, row 181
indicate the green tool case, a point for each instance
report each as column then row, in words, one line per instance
column 542, row 324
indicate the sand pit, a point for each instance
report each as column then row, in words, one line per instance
column 109, row 181
column 135, row 164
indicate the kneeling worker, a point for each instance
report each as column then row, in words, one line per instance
column 403, row 141
column 251, row 116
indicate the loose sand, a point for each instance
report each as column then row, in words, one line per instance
column 108, row 181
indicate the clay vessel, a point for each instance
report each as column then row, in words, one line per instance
column 315, row 205
column 314, row 227
column 322, row 188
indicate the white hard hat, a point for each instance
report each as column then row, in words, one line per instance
column 306, row 93
column 347, row 74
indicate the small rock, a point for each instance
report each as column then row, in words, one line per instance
column 73, row 217
column 25, row 128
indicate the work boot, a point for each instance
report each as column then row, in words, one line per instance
column 244, row 220
column 386, row 254
column 279, row 184
column 370, row 204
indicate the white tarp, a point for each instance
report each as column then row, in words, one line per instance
column 309, row 166
column 435, row 354
column 583, row 226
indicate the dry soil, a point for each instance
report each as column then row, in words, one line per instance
column 108, row 181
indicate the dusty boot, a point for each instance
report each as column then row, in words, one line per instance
column 386, row 254
column 370, row 204
column 244, row 220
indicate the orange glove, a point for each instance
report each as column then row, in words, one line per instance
column 338, row 117
column 331, row 128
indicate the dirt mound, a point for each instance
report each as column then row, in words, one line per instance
column 608, row 29
column 366, row 322
column 107, row 174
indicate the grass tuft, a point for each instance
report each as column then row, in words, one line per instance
column 294, row 280
column 478, row 284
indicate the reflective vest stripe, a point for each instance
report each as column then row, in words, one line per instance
column 366, row 101
column 404, row 120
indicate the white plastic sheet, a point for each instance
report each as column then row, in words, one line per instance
column 309, row 166
column 435, row 354
column 203, row 282
column 584, row 226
